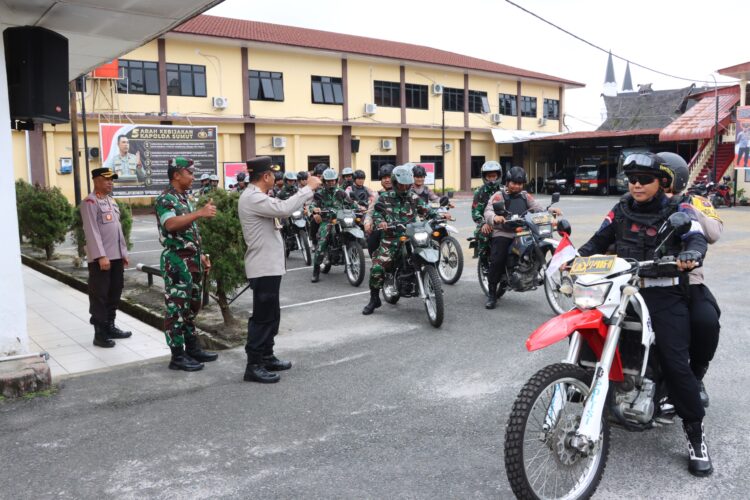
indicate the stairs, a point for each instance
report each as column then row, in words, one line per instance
column 724, row 158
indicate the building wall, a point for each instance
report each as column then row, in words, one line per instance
column 362, row 75
column 20, row 158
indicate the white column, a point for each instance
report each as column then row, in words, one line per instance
column 13, row 335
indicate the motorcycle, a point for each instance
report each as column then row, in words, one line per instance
column 558, row 434
column 451, row 263
column 294, row 233
column 702, row 188
column 345, row 241
column 721, row 196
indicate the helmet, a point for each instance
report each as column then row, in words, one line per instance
column 403, row 175
column 516, row 174
column 385, row 170
column 278, row 175
column 491, row 166
column 290, row 176
column 330, row 175
column 419, row 171
column 359, row 174
column 347, row 171
column 301, row 176
column 648, row 163
column 726, row 177
column 678, row 166
column 204, row 177
column 241, row 177
column 214, row 177
column 319, row 169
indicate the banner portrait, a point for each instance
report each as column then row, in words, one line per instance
column 742, row 138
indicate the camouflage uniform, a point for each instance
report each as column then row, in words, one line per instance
column 401, row 209
column 205, row 189
column 287, row 191
column 329, row 202
column 481, row 197
column 181, row 267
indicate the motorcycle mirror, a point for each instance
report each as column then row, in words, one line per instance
column 681, row 223
column 555, row 198
column 563, row 227
column 499, row 207
column 444, row 200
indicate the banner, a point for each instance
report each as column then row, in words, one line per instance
column 742, row 138
column 429, row 168
column 140, row 155
column 231, row 169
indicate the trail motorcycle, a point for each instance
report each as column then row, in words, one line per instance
column 345, row 240
column 558, row 434
column 295, row 236
column 721, row 196
column 451, row 263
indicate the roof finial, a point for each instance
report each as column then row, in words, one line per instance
column 627, row 84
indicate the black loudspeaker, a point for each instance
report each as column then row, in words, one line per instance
column 36, row 60
column 355, row 145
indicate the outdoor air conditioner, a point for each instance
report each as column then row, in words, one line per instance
column 279, row 142
column 219, row 102
column 448, row 147
column 386, row 144
column 93, row 153
column 542, row 121
column 371, row 109
column 437, row 89
column 496, row 118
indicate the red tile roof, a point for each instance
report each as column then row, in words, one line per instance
column 597, row 134
column 698, row 122
column 224, row 27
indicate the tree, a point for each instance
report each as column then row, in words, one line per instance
column 221, row 238
column 44, row 217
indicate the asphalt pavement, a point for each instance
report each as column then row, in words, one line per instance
column 383, row 406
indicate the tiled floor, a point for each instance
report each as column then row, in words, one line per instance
column 58, row 323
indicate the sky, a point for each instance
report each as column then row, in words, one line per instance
column 685, row 39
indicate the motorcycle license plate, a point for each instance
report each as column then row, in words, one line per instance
column 596, row 264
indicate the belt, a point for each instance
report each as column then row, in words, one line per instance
column 650, row 282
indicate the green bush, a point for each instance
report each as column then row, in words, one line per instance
column 44, row 217
column 222, row 239
column 79, row 237
column 24, row 191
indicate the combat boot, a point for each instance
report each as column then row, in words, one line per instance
column 491, row 296
column 699, row 462
column 194, row 350
column 316, row 273
column 101, row 336
column 374, row 301
column 256, row 371
column 274, row 364
column 181, row 361
column 115, row 333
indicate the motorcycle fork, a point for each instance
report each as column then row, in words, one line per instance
column 557, row 403
column 345, row 249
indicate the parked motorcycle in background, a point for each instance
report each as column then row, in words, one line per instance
column 295, row 236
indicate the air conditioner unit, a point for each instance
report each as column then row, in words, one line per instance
column 437, row 89
column 219, row 102
column 386, row 144
column 448, row 147
column 279, row 142
column 496, row 118
column 93, row 153
column 542, row 121
column 371, row 109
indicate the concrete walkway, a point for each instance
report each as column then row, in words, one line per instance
column 58, row 323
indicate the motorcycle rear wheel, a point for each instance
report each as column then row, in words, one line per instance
column 390, row 290
column 306, row 254
column 483, row 268
column 355, row 271
column 539, row 461
column 433, row 302
column 451, row 263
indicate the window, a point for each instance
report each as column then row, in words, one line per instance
column 388, row 94
column 278, row 160
column 186, row 80
column 508, row 105
column 327, row 90
column 314, row 160
column 266, row 86
column 453, row 99
column 437, row 160
column 528, row 106
column 478, row 102
column 416, row 96
column 476, row 166
column 138, row 77
column 552, row 109
column 377, row 161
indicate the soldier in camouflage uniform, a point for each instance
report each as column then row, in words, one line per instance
column 205, row 185
column 491, row 174
column 290, row 186
column 399, row 206
column 332, row 197
column 182, row 265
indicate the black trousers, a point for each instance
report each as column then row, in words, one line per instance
column 263, row 325
column 670, row 318
column 373, row 241
column 105, row 289
column 499, row 246
column 314, row 230
column 704, row 328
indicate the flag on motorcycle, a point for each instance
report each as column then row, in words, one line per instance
column 565, row 252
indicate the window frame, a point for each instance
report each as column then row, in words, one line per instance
column 377, row 161
column 186, row 73
column 528, row 102
column 272, row 81
column 313, row 160
column 421, row 92
column 147, row 73
column 387, row 94
column 437, row 160
column 453, row 96
column 330, row 88
column 478, row 97
column 555, row 104
column 476, row 166
column 505, row 100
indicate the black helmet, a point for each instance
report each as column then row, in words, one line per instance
column 679, row 168
column 419, row 171
column 726, row 178
column 649, row 163
column 278, row 175
column 516, row 174
column 385, row 170
column 360, row 174
column 301, row 176
column 319, row 169
column 241, row 177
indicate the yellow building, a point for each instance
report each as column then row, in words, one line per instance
column 305, row 96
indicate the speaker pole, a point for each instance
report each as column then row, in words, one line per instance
column 81, row 85
column 74, row 144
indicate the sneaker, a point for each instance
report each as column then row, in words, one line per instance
column 699, row 462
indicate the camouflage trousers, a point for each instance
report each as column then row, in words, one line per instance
column 322, row 246
column 382, row 261
column 483, row 241
column 182, row 295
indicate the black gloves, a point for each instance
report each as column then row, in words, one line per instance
column 688, row 255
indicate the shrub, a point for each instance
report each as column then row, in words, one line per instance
column 24, row 191
column 44, row 217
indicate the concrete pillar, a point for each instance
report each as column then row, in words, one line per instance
column 13, row 335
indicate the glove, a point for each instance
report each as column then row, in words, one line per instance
column 688, row 255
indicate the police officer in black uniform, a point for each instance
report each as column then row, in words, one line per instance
column 632, row 226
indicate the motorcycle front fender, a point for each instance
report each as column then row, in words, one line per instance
column 430, row 255
column 300, row 223
column 355, row 232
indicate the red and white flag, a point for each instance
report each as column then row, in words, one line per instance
column 565, row 251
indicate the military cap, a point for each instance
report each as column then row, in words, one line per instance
column 179, row 163
column 103, row 172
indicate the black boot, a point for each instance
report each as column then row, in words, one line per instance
column 274, row 364
column 374, row 301
column 256, row 371
column 116, row 333
column 193, row 349
column 101, row 336
column 700, row 463
column 700, row 372
column 181, row 361
column 316, row 274
column 491, row 296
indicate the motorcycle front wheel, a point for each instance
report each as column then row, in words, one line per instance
column 355, row 271
column 390, row 289
column 306, row 254
column 451, row 263
column 539, row 460
column 559, row 302
column 433, row 301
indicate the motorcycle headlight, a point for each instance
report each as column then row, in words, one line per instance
column 297, row 214
column 590, row 296
column 348, row 221
column 421, row 238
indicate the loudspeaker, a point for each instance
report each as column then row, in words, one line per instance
column 36, row 60
column 355, row 145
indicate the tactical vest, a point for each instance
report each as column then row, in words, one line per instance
column 516, row 204
column 360, row 194
column 425, row 195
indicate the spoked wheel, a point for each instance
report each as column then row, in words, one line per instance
column 558, row 289
column 433, row 301
column 326, row 266
column 539, row 460
column 306, row 254
column 451, row 263
column 355, row 271
column 390, row 289
column 483, row 269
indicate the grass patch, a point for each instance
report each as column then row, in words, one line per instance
column 40, row 394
